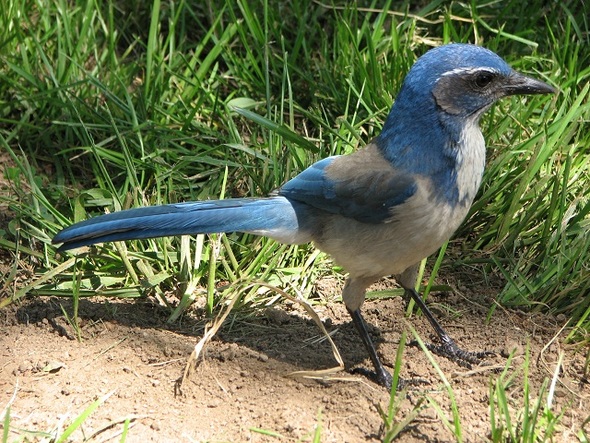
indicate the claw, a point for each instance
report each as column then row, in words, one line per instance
column 385, row 379
column 450, row 350
column 382, row 378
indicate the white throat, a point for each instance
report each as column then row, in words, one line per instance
column 471, row 159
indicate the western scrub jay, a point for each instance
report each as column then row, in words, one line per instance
column 378, row 211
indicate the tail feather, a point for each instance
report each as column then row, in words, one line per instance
column 274, row 217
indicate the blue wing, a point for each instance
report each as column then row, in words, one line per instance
column 363, row 186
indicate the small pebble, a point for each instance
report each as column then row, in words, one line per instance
column 277, row 316
column 512, row 347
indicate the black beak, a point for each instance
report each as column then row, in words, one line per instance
column 519, row 84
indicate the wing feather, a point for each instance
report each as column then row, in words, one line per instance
column 363, row 186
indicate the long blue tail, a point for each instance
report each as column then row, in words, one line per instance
column 274, row 217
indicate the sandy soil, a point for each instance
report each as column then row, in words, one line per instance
column 130, row 355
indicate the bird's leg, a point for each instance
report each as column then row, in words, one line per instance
column 448, row 348
column 381, row 375
column 353, row 295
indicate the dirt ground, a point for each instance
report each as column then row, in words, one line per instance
column 130, row 355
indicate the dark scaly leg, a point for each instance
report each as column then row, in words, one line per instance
column 448, row 348
column 353, row 295
column 380, row 375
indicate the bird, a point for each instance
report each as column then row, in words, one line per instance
column 378, row 211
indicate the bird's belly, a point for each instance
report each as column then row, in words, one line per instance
column 368, row 250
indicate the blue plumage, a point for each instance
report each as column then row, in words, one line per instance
column 378, row 211
column 264, row 216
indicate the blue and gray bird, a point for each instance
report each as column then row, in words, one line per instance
column 378, row 211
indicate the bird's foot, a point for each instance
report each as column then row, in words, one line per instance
column 450, row 350
column 382, row 377
column 385, row 379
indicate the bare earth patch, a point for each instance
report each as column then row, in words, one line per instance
column 131, row 355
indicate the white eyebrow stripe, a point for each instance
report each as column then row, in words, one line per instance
column 468, row 71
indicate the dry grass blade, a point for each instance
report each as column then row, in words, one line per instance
column 212, row 328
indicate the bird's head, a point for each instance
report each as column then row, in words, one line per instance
column 464, row 80
column 446, row 92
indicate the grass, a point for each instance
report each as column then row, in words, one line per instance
column 111, row 105
column 535, row 419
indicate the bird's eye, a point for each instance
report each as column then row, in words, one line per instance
column 483, row 79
